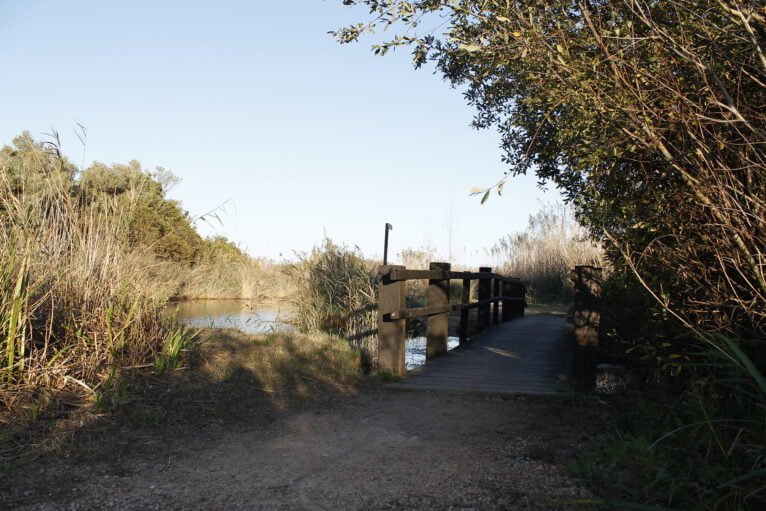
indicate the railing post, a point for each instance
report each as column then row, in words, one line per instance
column 495, row 304
column 523, row 303
column 518, row 291
column 390, row 333
column 587, row 317
column 438, row 325
column 485, row 288
column 508, row 306
column 465, row 299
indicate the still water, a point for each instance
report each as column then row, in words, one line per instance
column 257, row 318
column 415, row 350
column 247, row 316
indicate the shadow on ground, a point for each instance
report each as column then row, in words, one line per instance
column 233, row 382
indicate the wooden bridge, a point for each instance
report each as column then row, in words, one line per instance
column 505, row 351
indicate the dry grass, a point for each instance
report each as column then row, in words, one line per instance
column 226, row 278
column 280, row 363
column 544, row 254
column 77, row 307
column 336, row 293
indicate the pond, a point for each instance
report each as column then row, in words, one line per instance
column 247, row 316
column 257, row 318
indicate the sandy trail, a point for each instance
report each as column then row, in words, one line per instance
column 383, row 449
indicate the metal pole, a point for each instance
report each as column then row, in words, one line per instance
column 385, row 243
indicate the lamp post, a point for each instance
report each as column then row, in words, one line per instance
column 385, row 243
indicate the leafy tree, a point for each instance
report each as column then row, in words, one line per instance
column 156, row 222
column 650, row 116
column 219, row 248
column 100, row 179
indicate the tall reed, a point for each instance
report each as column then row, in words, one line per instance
column 336, row 293
column 546, row 251
column 77, row 306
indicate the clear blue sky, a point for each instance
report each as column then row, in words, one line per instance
column 254, row 103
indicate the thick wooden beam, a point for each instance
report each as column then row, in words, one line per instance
column 485, row 289
column 391, row 333
column 437, row 329
column 587, row 280
column 496, row 304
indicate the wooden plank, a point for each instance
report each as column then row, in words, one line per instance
column 419, row 312
column 527, row 355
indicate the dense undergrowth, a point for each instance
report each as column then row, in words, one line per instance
column 689, row 431
column 90, row 259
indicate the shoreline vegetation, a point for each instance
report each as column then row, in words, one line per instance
column 93, row 256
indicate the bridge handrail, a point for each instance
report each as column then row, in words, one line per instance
column 394, row 274
column 495, row 292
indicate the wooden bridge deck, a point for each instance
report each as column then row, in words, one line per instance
column 524, row 356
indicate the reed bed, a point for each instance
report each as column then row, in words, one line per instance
column 77, row 306
column 544, row 254
column 223, row 278
column 336, row 293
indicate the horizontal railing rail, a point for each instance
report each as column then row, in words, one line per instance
column 393, row 274
column 421, row 312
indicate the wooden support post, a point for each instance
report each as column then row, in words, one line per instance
column 485, row 289
column 523, row 295
column 465, row 299
column 438, row 325
column 496, row 304
column 517, row 291
column 508, row 306
column 587, row 280
column 390, row 333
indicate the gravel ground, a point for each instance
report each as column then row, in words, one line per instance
column 382, row 449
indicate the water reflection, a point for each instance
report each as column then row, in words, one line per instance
column 247, row 316
column 415, row 351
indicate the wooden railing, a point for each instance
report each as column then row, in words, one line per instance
column 499, row 298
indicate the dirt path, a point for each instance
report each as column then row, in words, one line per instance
column 383, row 449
